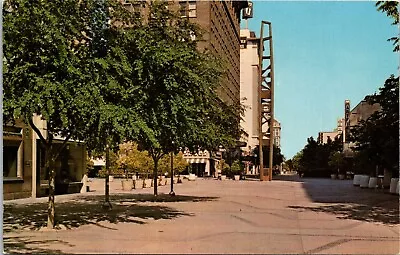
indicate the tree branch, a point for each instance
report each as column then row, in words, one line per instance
column 43, row 141
column 63, row 145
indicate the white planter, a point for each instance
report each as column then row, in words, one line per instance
column 394, row 183
column 110, row 178
column 373, row 182
column 364, row 181
column 356, row 179
column 192, row 177
column 342, row 176
column 127, row 185
column 333, row 176
column 223, row 177
column 237, row 177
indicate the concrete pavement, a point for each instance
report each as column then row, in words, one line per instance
column 287, row 215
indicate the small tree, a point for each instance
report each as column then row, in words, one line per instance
column 236, row 167
column 336, row 161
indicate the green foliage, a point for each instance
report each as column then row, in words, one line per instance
column 377, row 138
column 132, row 160
column 313, row 160
column 392, row 11
column 336, row 161
column 89, row 165
column 236, row 167
column 277, row 157
column 179, row 163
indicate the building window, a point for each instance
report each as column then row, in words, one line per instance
column 192, row 9
column 188, row 9
column 12, row 160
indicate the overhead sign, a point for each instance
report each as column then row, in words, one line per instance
column 248, row 11
column 347, row 119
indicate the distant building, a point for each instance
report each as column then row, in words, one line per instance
column 323, row 137
column 277, row 133
column 249, row 86
column 362, row 111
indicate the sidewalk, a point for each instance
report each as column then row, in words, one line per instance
column 289, row 215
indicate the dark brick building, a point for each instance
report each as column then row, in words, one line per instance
column 221, row 22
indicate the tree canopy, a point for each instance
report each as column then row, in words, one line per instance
column 377, row 138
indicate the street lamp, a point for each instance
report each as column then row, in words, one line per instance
column 172, row 193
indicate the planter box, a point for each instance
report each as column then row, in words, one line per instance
column 333, row 176
column 373, row 182
column 223, row 177
column 127, row 185
column 364, row 181
column 110, row 178
column 342, row 176
column 394, row 183
column 237, row 177
column 356, row 179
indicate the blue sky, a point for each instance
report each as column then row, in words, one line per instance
column 324, row 53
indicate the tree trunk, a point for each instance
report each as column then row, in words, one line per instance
column 155, row 175
column 107, row 182
column 51, row 206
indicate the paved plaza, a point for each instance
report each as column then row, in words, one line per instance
column 287, row 215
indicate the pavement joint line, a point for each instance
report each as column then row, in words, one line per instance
column 342, row 241
column 328, row 246
column 265, row 210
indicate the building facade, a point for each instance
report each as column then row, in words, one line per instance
column 220, row 21
column 324, row 136
column 24, row 173
column 277, row 133
column 249, row 62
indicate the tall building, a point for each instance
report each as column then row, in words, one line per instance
column 249, row 65
column 221, row 23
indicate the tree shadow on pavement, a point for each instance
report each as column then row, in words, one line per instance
column 23, row 245
column 380, row 214
column 84, row 210
column 341, row 198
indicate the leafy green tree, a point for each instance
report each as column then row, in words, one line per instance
column 56, row 65
column 277, row 156
column 378, row 137
column 177, row 86
column 132, row 160
column 46, row 73
column 314, row 157
column 296, row 161
column 336, row 161
column 236, row 168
